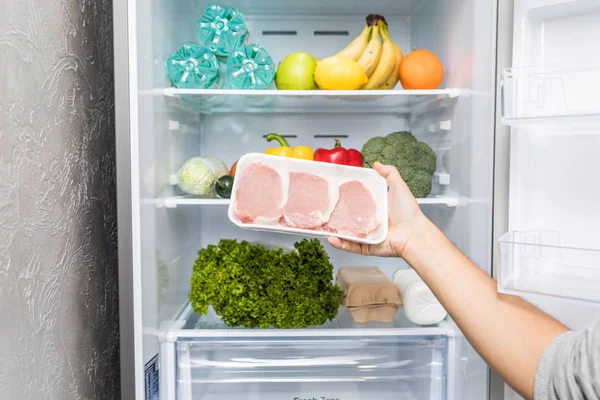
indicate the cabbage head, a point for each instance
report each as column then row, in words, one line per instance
column 198, row 176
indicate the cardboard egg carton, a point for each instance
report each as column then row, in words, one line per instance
column 368, row 294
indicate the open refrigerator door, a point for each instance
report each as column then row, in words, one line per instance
column 177, row 354
column 551, row 253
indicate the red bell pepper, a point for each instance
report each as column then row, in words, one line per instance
column 339, row 155
column 355, row 158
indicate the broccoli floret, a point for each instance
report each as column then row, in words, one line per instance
column 389, row 154
column 420, row 184
column 427, row 158
column 402, row 157
column 371, row 151
column 415, row 160
column 401, row 137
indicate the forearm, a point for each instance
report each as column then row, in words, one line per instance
column 508, row 332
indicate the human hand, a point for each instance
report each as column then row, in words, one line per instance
column 404, row 215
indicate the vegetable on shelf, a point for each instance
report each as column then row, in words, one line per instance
column 301, row 152
column 415, row 161
column 233, row 169
column 198, row 176
column 340, row 155
column 252, row 286
column 224, row 185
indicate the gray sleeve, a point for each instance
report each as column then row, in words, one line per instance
column 570, row 367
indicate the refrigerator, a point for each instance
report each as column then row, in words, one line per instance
column 515, row 129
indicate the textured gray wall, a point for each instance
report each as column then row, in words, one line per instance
column 58, row 258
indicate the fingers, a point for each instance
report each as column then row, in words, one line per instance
column 401, row 202
column 390, row 173
column 335, row 242
column 384, row 170
column 348, row 246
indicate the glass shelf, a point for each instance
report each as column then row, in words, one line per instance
column 536, row 262
column 395, row 101
column 177, row 201
column 190, row 325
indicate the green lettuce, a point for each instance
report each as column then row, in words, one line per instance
column 252, row 286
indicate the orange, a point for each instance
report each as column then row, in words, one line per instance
column 420, row 69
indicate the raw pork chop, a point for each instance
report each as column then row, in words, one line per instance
column 309, row 202
column 259, row 196
column 355, row 213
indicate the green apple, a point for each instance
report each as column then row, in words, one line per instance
column 296, row 72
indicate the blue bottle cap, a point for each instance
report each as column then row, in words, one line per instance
column 193, row 67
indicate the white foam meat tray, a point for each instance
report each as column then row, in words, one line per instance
column 338, row 174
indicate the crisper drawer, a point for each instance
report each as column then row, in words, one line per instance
column 292, row 368
column 202, row 359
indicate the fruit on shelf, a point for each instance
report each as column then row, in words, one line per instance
column 356, row 47
column 387, row 61
column 338, row 73
column 421, row 69
column 392, row 79
column 376, row 54
column 370, row 57
column 296, row 72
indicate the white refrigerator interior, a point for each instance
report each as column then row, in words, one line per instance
column 199, row 357
column 551, row 254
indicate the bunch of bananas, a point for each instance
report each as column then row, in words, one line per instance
column 376, row 54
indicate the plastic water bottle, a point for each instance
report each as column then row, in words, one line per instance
column 193, row 67
column 222, row 30
column 250, row 67
column 418, row 301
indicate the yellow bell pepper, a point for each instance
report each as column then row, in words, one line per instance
column 284, row 150
column 303, row 153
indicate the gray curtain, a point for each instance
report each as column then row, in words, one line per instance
column 58, row 254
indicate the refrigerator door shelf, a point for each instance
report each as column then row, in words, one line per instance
column 398, row 101
column 536, row 262
column 203, row 359
column 551, row 94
